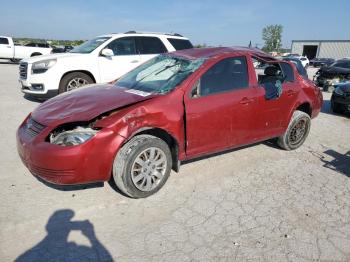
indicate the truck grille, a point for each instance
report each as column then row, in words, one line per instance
column 33, row 128
column 23, row 69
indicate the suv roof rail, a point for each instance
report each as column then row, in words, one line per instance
column 135, row 32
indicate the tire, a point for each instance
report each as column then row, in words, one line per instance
column 127, row 161
column 294, row 137
column 82, row 78
column 336, row 108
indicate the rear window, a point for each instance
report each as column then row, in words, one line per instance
column 287, row 72
column 180, row 44
column 151, row 45
column 4, row 41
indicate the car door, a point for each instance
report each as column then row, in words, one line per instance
column 6, row 50
column 273, row 113
column 220, row 107
column 126, row 57
column 149, row 47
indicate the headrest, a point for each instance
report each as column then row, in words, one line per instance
column 271, row 71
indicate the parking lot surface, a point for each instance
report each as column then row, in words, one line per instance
column 256, row 203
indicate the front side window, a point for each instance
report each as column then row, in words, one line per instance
column 123, row 46
column 151, row 45
column 90, row 45
column 160, row 75
column 226, row 75
column 4, row 41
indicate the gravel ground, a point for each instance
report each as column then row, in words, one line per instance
column 257, row 203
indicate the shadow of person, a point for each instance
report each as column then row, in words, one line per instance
column 340, row 162
column 55, row 246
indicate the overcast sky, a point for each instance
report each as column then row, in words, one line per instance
column 217, row 22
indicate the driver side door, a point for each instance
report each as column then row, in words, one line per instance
column 126, row 57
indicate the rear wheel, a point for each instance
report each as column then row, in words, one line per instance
column 73, row 81
column 142, row 166
column 297, row 131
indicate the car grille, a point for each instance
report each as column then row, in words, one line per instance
column 33, row 128
column 23, row 70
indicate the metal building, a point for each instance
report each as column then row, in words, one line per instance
column 322, row 48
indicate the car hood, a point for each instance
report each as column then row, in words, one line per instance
column 34, row 59
column 86, row 104
column 335, row 70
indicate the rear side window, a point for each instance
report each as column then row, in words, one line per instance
column 151, row 45
column 180, row 44
column 288, row 72
column 123, row 46
column 4, row 41
column 226, row 75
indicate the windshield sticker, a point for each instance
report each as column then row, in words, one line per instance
column 138, row 92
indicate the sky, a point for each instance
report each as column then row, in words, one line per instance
column 220, row 22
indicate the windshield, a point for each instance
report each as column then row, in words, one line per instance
column 159, row 75
column 90, row 45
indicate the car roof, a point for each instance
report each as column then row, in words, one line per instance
column 195, row 53
column 134, row 33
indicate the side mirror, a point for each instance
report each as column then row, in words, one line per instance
column 107, row 52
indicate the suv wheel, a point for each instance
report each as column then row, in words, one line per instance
column 142, row 166
column 297, row 131
column 73, row 81
column 336, row 108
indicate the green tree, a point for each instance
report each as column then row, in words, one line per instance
column 272, row 35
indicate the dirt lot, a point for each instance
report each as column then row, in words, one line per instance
column 256, row 203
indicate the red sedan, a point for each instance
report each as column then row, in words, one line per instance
column 175, row 107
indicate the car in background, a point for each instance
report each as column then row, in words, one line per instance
column 99, row 60
column 62, row 49
column 340, row 100
column 10, row 50
column 328, row 77
column 301, row 69
column 175, row 107
column 303, row 59
column 319, row 62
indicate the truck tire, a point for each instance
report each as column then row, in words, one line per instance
column 336, row 108
column 74, row 80
column 297, row 131
column 142, row 166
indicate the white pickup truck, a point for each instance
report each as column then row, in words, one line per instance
column 8, row 50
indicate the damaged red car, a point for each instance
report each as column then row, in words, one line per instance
column 175, row 107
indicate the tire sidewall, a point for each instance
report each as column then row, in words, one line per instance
column 297, row 116
column 67, row 78
column 129, row 158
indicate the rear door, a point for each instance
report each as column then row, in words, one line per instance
column 126, row 57
column 220, row 107
column 6, row 49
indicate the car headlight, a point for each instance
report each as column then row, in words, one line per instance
column 42, row 66
column 73, row 137
column 338, row 91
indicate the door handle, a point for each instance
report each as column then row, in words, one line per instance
column 246, row 101
column 134, row 61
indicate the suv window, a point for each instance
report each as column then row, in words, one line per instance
column 150, row 45
column 123, row 46
column 31, row 45
column 226, row 75
column 180, row 44
column 287, row 72
column 43, row 45
column 4, row 41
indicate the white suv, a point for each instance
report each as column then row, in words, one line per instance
column 100, row 60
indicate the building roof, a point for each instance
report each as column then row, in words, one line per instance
column 320, row 41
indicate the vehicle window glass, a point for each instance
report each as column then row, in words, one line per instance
column 226, row 75
column 151, row 45
column 123, row 46
column 287, row 72
column 31, row 45
column 342, row 64
column 180, row 44
column 4, row 41
column 91, row 45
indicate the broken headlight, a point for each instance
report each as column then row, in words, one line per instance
column 73, row 137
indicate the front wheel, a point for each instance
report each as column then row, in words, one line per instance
column 142, row 166
column 297, row 131
column 73, row 81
